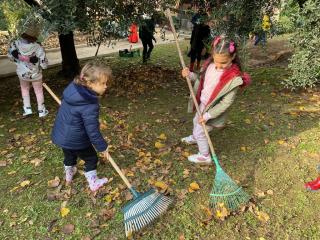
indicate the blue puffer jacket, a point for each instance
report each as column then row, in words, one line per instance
column 77, row 122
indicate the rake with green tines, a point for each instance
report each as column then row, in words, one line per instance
column 225, row 190
column 145, row 207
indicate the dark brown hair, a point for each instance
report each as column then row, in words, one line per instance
column 224, row 45
column 29, row 38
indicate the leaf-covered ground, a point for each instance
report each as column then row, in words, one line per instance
column 270, row 147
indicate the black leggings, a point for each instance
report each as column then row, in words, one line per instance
column 147, row 47
column 195, row 54
column 89, row 156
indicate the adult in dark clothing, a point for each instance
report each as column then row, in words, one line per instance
column 200, row 33
column 146, row 31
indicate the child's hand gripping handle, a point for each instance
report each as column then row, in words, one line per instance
column 107, row 155
column 168, row 13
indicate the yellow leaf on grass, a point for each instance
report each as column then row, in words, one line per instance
column 281, row 142
column 108, row 198
column 243, row 148
column 54, row 183
column 159, row 145
column 81, row 162
column 194, row 186
column 221, row 211
column 262, row 216
column 25, row 183
column 162, row 136
column 185, row 154
column 141, row 154
column 270, row 192
column 14, row 189
column 130, row 174
column 247, row 121
column 64, row 211
column 129, row 234
column 157, row 162
column 161, row 185
column 36, row 162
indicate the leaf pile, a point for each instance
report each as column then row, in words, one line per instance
column 140, row 79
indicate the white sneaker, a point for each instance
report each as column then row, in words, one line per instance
column 189, row 140
column 199, row 158
column 27, row 111
column 42, row 113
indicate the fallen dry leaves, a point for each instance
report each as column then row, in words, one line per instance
column 194, row 186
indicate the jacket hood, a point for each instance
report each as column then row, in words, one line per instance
column 78, row 95
column 26, row 48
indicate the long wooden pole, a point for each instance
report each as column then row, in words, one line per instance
column 168, row 13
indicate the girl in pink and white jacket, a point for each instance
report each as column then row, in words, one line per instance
column 220, row 80
column 30, row 59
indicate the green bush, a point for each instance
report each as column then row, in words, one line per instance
column 13, row 12
column 305, row 62
column 3, row 22
column 285, row 23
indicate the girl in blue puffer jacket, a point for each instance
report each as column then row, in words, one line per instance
column 76, row 128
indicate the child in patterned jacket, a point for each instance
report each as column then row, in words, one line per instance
column 30, row 59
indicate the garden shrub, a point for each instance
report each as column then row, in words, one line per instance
column 305, row 62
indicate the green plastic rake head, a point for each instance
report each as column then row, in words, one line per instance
column 226, row 191
column 144, row 209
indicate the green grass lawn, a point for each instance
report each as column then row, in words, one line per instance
column 270, row 147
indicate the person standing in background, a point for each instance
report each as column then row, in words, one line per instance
column 146, row 31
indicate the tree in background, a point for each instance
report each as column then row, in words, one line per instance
column 12, row 12
column 3, row 22
column 305, row 62
column 103, row 20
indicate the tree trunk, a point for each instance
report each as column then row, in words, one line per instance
column 70, row 62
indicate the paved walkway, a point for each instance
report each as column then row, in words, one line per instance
column 8, row 68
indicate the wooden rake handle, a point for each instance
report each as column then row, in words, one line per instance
column 114, row 165
column 168, row 13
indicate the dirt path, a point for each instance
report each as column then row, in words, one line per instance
column 276, row 53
